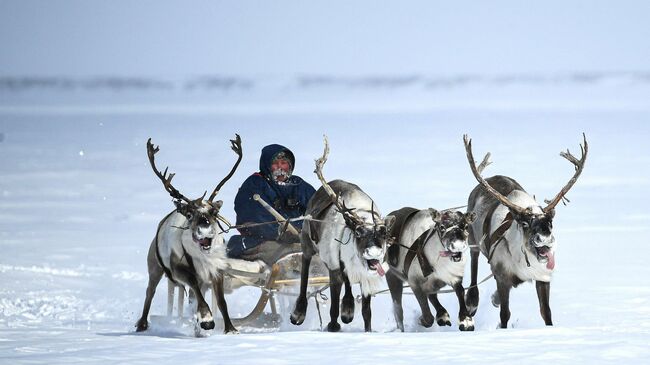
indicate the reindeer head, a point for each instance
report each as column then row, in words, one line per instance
column 202, row 215
column 371, row 232
column 453, row 230
column 536, row 227
column 202, row 220
column 372, row 240
column 534, row 222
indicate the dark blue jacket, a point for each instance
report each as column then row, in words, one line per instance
column 289, row 199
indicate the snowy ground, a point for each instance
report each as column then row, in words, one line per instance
column 79, row 205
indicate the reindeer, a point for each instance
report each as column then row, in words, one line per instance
column 438, row 240
column 351, row 239
column 515, row 234
column 188, row 247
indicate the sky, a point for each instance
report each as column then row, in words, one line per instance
column 81, row 38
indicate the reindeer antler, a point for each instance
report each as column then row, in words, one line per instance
column 477, row 174
column 579, row 165
column 166, row 180
column 348, row 213
column 235, row 144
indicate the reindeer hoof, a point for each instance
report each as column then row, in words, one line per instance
column 466, row 324
column 471, row 301
column 208, row 325
column 231, row 331
column 141, row 326
column 426, row 321
column 496, row 302
column 297, row 318
column 333, row 327
column 347, row 310
column 443, row 319
column 298, row 315
column 347, row 318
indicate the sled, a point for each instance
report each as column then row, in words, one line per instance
column 280, row 279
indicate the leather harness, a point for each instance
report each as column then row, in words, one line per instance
column 497, row 236
column 403, row 216
column 417, row 250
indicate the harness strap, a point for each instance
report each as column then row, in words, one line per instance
column 497, row 236
column 417, row 250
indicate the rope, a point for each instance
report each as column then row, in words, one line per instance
column 246, row 225
column 303, row 217
column 442, row 291
column 320, row 318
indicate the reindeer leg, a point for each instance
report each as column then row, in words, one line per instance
column 202, row 308
column 472, row 296
column 503, row 291
column 465, row 321
column 442, row 316
column 155, row 274
column 347, row 304
column 396, row 288
column 336, row 281
column 543, row 294
column 298, row 314
column 223, row 307
column 154, row 279
column 426, row 319
column 366, row 313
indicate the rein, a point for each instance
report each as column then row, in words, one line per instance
column 445, row 291
column 302, row 217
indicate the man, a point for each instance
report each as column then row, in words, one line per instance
column 285, row 192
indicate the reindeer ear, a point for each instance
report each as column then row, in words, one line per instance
column 183, row 208
column 551, row 213
column 470, row 217
column 517, row 215
column 218, row 204
column 435, row 215
column 388, row 222
column 521, row 218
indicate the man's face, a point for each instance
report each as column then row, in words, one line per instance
column 282, row 165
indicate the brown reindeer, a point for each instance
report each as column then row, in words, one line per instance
column 515, row 233
column 189, row 249
column 351, row 239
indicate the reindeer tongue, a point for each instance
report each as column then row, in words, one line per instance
column 550, row 264
column 379, row 268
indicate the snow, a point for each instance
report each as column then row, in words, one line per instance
column 79, row 205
